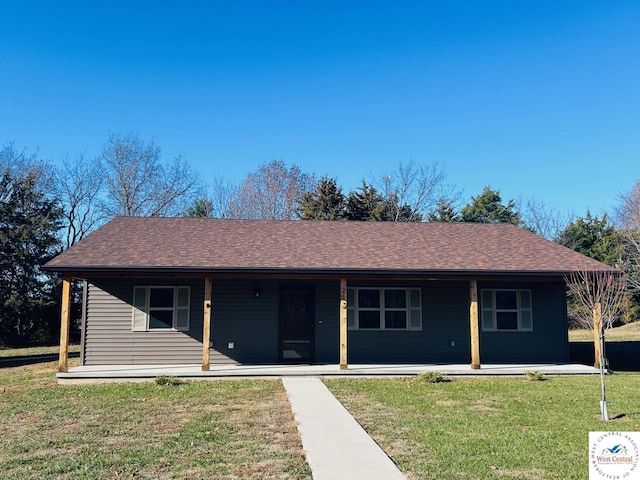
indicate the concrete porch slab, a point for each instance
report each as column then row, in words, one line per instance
column 129, row 373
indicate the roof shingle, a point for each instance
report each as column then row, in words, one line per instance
column 198, row 244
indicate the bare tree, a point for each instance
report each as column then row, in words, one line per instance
column 272, row 192
column 78, row 185
column 629, row 223
column 542, row 219
column 598, row 301
column 19, row 164
column 414, row 188
column 138, row 184
column 221, row 197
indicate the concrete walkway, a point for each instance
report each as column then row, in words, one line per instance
column 337, row 446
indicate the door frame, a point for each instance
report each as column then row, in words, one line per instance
column 312, row 331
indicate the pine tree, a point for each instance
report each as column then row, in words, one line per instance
column 488, row 208
column 327, row 202
column 29, row 223
column 366, row 204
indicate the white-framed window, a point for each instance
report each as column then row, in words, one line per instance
column 372, row 308
column 160, row 308
column 507, row 310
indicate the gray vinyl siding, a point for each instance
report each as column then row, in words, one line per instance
column 445, row 318
column 110, row 341
column 547, row 343
column 252, row 324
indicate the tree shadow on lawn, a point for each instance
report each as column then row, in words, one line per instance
column 21, row 361
column 622, row 356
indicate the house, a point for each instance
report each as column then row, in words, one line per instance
column 167, row 291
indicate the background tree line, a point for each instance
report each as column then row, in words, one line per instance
column 45, row 209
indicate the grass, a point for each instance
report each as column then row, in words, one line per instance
column 489, row 428
column 625, row 333
column 224, row 429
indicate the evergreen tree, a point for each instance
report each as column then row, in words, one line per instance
column 444, row 212
column 201, row 208
column 366, row 204
column 594, row 237
column 327, row 202
column 488, row 208
column 29, row 223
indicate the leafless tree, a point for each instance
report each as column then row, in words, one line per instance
column 78, row 185
column 20, row 164
column 418, row 187
column 629, row 228
column 542, row 219
column 138, row 184
column 221, row 197
column 598, row 301
column 272, row 192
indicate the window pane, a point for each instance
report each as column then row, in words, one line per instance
column 395, row 299
column 161, row 297
column 416, row 320
column 414, row 298
column 525, row 299
column 183, row 297
column 525, row 320
column 395, row 319
column 506, row 300
column 369, row 298
column 487, row 320
column 507, row 320
column 160, row 319
column 369, row 319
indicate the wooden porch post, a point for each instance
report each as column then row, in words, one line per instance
column 343, row 324
column 206, row 325
column 65, row 320
column 597, row 331
column 474, row 325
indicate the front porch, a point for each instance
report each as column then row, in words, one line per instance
column 139, row 373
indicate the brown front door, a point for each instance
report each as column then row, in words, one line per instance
column 296, row 324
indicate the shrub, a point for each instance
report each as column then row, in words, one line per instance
column 535, row 376
column 164, row 381
column 432, row 377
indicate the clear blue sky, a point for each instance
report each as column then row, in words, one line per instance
column 536, row 98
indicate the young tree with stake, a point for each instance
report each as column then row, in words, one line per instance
column 599, row 296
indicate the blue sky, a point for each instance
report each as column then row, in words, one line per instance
column 539, row 99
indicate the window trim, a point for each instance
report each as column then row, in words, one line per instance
column 353, row 311
column 490, row 312
column 140, row 314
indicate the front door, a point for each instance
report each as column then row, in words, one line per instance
column 296, row 324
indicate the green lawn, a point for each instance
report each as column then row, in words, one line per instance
column 223, row 429
column 471, row 428
column 486, row 428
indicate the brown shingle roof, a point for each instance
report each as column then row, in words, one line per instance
column 198, row 244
